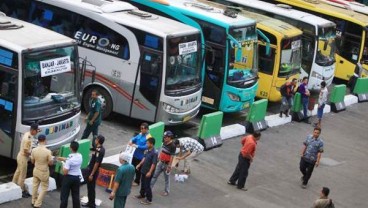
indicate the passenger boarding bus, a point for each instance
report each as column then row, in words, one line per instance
column 351, row 34
column 39, row 83
column 283, row 63
column 230, row 71
column 318, row 40
column 144, row 66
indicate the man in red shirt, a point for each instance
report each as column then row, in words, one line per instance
column 246, row 156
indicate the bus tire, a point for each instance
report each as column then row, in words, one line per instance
column 105, row 98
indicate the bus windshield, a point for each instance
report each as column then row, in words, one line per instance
column 183, row 63
column 49, row 83
column 291, row 56
column 243, row 60
column 326, row 46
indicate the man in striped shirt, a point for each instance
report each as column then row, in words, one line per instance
column 189, row 149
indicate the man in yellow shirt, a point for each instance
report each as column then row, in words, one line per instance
column 41, row 158
column 22, row 159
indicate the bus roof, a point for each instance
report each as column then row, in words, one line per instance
column 125, row 14
column 213, row 14
column 284, row 10
column 282, row 28
column 24, row 36
column 329, row 9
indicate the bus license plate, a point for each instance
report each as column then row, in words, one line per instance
column 186, row 118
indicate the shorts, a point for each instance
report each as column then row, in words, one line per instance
column 320, row 111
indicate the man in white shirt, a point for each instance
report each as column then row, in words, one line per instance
column 322, row 100
column 72, row 174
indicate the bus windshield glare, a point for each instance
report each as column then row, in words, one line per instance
column 326, row 46
column 183, row 63
column 49, row 83
column 243, row 61
column 291, row 56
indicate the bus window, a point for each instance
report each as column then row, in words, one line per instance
column 7, row 95
column 215, row 64
column 365, row 50
column 266, row 62
column 308, row 52
column 290, row 57
column 150, row 76
column 348, row 39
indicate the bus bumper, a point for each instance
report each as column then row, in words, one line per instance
column 245, row 99
column 177, row 118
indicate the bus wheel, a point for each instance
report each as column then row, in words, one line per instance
column 105, row 98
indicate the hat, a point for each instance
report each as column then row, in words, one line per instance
column 34, row 126
column 42, row 137
column 168, row 134
column 124, row 156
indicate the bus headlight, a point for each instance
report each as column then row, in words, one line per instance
column 233, row 97
column 170, row 109
column 317, row 75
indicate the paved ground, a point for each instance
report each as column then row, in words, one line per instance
column 274, row 176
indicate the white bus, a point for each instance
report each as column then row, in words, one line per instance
column 318, row 40
column 145, row 66
column 39, row 83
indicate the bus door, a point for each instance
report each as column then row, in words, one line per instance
column 214, row 75
column 8, row 95
column 147, row 85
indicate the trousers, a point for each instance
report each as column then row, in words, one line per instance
column 39, row 178
column 161, row 167
column 306, row 167
column 21, row 171
column 241, row 172
column 70, row 184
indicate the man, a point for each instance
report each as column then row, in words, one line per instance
column 287, row 92
column 322, row 100
column 303, row 90
column 41, row 158
column 310, row 155
column 245, row 158
column 140, row 142
column 123, row 181
column 357, row 74
column 189, row 149
column 93, row 118
column 147, row 167
column 165, row 159
column 72, row 174
column 93, row 166
column 324, row 201
column 22, row 159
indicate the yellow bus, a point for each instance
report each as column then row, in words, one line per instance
column 283, row 63
column 351, row 33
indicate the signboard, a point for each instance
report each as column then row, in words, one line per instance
column 186, row 48
column 55, row 66
column 130, row 151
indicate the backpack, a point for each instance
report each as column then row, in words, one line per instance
column 283, row 90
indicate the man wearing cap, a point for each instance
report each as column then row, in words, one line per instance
column 164, row 161
column 22, row 159
column 123, row 181
column 41, row 158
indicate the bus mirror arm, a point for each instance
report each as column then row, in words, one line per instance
column 264, row 37
column 230, row 37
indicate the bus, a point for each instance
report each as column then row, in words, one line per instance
column 230, row 78
column 351, row 34
column 348, row 4
column 39, row 83
column 283, row 63
column 144, row 66
column 318, row 39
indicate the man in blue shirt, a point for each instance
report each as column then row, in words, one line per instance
column 303, row 90
column 310, row 155
column 139, row 142
column 123, row 181
column 93, row 118
column 72, row 174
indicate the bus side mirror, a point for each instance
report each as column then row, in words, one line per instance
column 325, row 45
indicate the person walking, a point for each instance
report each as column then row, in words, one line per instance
column 93, row 166
column 322, row 100
column 245, row 158
column 165, row 159
column 310, row 155
column 303, row 90
column 139, row 142
column 123, row 181
column 22, row 159
column 93, row 119
column 287, row 93
column 72, row 174
column 147, row 167
column 189, row 150
column 41, row 158
column 324, row 201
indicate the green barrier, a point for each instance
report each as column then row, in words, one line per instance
column 361, row 89
column 209, row 130
column 84, row 150
column 255, row 120
column 157, row 131
column 337, row 98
